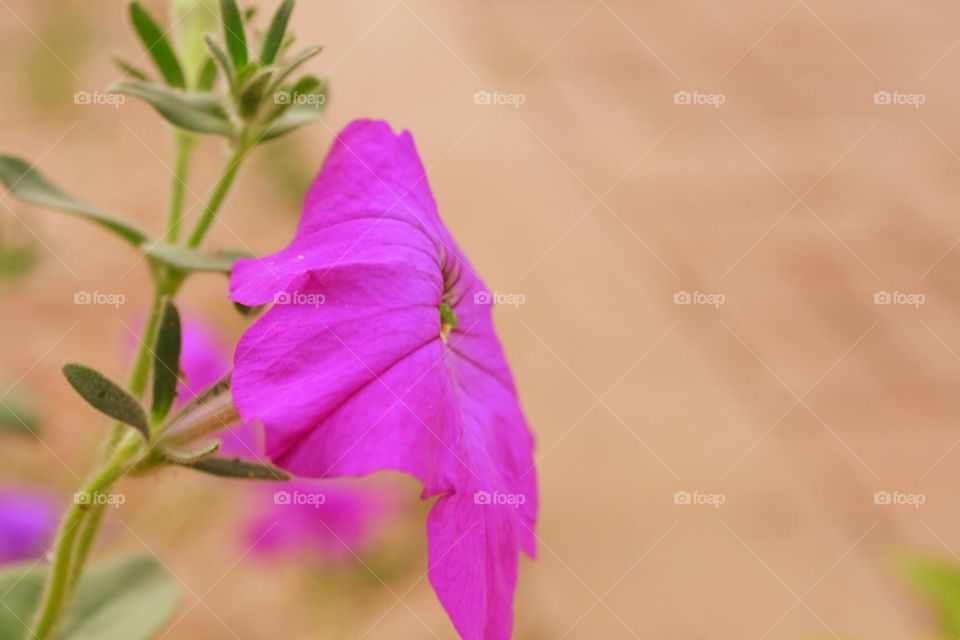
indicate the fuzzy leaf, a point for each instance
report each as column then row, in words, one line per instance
column 158, row 47
column 292, row 119
column 253, row 90
column 16, row 416
column 208, row 75
column 130, row 70
column 205, row 397
column 166, row 362
column 233, row 33
column 191, row 111
column 128, row 598
column 27, row 184
column 107, row 397
column 275, row 35
column 295, row 63
column 221, row 59
column 940, row 582
column 187, row 457
column 240, row 469
column 189, row 259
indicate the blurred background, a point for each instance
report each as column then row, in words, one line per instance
column 726, row 240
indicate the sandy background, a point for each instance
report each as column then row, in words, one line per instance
column 597, row 199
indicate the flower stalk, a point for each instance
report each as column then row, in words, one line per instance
column 186, row 95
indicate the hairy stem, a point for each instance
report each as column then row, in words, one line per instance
column 62, row 567
column 183, row 148
column 220, row 191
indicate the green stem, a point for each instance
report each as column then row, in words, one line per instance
column 58, row 582
column 183, row 148
column 85, row 538
column 82, row 522
column 220, row 191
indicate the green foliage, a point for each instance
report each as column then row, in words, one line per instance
column 185, row 259
column 29, row 185
column 166, row 362
column 16, row 261
column 184, row 456
column 17, row 416
column 107, row 397
column 198, row 112
column 275, row 36
column 240, row 469
column 128, row 598
column 234, row 33
column 158, row 47
column 939, row 581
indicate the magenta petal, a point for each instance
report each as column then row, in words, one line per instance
column 351, row 372
column 27, row 524
column 331, row 518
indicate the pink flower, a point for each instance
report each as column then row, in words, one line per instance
column 27, row 523
column 335, row 522
column 380, row 353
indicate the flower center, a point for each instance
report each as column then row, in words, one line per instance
column 448, row 321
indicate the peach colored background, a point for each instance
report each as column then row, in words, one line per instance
column 597, row 199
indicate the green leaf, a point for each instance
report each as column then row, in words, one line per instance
column 16, row 416
column 153, row 38
column 233, row 33
column 129, row 598
column 27, row 184
column 198, row 112
column 252, row 93
column 187, row 457
column 241, row 469
column 940, row 582
column 295, row 63
column 107, row 397
column 189, row 259
column 306, row 85
column 249, row 312
column 278, row 27
column 208, row 75
column 16, row 261
column 130, row 69
column 166, row 362
column 292, row 119
column 203, row 398
column 220, row 56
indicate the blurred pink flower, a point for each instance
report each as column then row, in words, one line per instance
column 28, row 520
column 338, row 527
column 333, row 519
column 380, row 353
